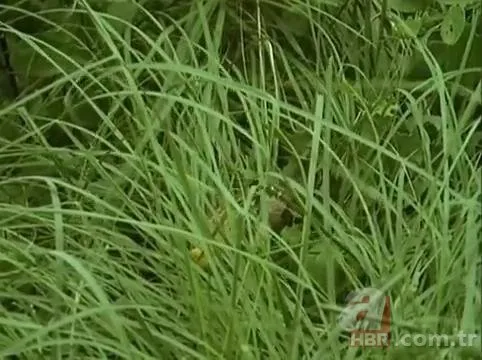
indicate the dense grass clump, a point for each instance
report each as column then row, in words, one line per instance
column 210, row 179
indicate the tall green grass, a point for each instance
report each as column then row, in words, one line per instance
column 96, row 233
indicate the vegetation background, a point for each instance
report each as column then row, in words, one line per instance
column 209, row 179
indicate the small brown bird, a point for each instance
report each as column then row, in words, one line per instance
column 280, row 216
